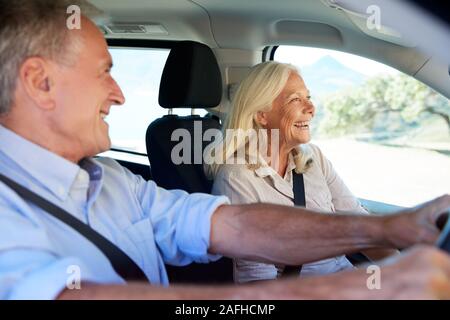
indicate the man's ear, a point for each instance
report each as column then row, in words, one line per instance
column 35, row 77
column 261, row 118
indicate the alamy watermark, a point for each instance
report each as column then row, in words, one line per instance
column 374, row 19
column 374, row 280
column 235, row 146
column 73, row 22
column 73, row 281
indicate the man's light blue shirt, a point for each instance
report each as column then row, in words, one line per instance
column 40, row 255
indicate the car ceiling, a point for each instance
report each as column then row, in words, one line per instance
column 254, row 24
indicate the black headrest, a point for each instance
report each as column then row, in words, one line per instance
column 191, row 77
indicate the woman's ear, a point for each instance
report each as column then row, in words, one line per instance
column 261, row 118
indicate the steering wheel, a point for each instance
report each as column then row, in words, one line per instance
column 443, row 223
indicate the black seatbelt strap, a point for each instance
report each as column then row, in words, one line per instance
column 121, row 263
column 300, row 201
column 299, row 189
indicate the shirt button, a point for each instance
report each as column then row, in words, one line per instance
column 83, row 177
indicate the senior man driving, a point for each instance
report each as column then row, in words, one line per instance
column 55, row 91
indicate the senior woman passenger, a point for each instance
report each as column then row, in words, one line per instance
column 274, row 96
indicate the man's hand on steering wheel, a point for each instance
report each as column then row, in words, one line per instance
column 416, row 225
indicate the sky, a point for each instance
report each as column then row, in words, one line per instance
column 302, row 56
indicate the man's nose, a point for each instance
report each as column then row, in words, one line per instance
column 117, row 95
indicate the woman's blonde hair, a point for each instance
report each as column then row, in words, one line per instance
column 256, row 93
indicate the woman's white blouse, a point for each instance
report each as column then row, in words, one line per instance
column 324, row 191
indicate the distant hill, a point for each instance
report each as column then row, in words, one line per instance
column 328, row 75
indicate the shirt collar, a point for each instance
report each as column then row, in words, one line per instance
column 48, row 169
column 265, row 170
column 281, row 184
column 291, row 164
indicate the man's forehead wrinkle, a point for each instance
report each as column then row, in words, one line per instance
column 95, row 50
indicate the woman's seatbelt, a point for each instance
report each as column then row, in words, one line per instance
column 299, row 201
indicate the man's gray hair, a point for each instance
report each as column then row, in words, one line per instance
column 34, row 28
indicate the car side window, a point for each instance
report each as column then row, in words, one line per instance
column 387, row 134
column 138, row 72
